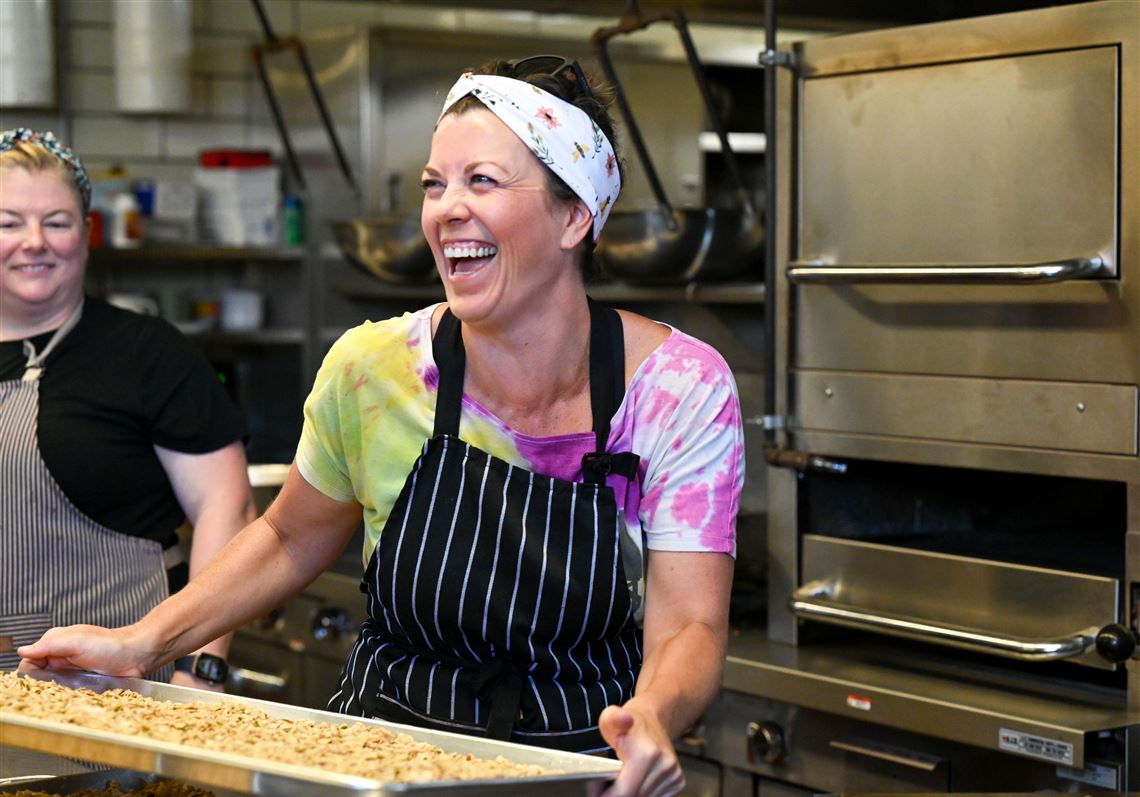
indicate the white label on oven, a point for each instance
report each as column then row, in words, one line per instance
column 1093, row 774
column 1036, row 746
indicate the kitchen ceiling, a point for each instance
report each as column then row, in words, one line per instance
column 802, row 14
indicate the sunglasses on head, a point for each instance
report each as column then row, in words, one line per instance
column 553, row 65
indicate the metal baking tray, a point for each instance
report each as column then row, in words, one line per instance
column 578, row 774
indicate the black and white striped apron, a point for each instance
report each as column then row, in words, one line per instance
column 57, row 565
column 497, row 597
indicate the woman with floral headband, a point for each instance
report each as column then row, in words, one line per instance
column 549, row 487
column 113, row 428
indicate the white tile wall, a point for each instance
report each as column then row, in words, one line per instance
column 331, row 13
column 90, row 47
column 512, row 23
column 91, row 90
column 36, row 120
column 231, row 97
column 223, row 54
column 113, row 135
column 186, row 138
column 90, row 11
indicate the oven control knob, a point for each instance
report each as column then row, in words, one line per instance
column 1116, row 643
column 765, row 742
column 330, row 623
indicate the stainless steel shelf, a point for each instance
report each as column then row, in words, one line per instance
column 198, row 253
column 287, row 336
column 617, row 292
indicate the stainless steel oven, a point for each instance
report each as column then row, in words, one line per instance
column 954, row 562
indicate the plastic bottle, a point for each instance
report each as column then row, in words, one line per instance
column 293, row 216
column 126, row 222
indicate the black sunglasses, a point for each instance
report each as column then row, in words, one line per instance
column 553, row 65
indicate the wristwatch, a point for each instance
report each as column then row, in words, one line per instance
column 207, row 667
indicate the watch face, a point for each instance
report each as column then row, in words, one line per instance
column 211, row 668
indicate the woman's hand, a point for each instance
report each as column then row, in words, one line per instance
column 649, row 763
column 108, row 651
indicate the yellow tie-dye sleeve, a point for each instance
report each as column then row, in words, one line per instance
column 368, row 415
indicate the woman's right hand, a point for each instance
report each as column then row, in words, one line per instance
column 108, row 651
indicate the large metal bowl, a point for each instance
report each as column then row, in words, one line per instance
column 708, row 244
column 641, row 246
column 737, row 247
column 391, row 248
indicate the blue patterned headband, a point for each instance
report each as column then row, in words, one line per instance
column 22, row 135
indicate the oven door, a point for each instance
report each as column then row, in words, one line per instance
column 965, row 231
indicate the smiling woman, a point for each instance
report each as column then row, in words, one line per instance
column 114, row 429
column 549, row 488
column 43, row 244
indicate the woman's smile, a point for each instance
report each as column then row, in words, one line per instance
column 468, row 257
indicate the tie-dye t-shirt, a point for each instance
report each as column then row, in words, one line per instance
column 373, row 403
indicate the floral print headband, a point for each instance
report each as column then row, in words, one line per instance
column 560, row 135
column 22, row 135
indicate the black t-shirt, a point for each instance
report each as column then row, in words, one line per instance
column 118, row 384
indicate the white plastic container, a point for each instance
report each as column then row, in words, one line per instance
column 241, row 310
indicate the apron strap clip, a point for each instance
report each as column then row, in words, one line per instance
column 597, row 465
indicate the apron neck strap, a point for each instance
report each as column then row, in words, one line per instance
column 451, row 360
column 34, row 364
column 607, row 371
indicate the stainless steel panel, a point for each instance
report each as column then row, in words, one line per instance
column 924, row 695
column 962, row 455
column 1001, row 160
column 1095, row 418
column 828, row 753
column 1002, row 601
column 252, row 776
column 899, row 210
column 702, row 778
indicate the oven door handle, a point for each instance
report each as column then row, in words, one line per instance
column 241, row 677
column 818, row 272
column 815, row 601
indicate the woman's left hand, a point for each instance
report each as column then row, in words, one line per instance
column 649, row 763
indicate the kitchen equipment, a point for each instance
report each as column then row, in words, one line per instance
column 671, row 244
column 954, row 512
column 292, row 44
column 392, row 248
column 576, row 773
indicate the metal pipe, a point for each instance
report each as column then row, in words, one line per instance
column 770, row 219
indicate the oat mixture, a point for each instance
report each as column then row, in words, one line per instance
column 114, row 789
column 241, row 729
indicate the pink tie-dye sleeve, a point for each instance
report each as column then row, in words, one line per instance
column 687, row 428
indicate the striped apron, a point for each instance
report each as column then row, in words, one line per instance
column 58, row 566
column 498, row 603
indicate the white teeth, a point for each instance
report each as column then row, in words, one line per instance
column 469, row 251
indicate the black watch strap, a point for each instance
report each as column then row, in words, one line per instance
column 204, row 666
